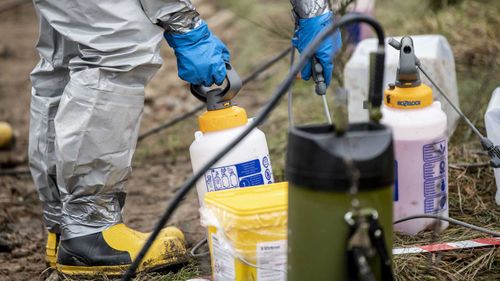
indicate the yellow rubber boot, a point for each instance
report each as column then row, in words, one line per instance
column 51, row 249
column 53, row 242
column 111, row 251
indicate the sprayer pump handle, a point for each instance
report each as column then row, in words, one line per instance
column 219, row 98
column 318, row 77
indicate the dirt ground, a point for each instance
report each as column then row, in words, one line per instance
column 152, row 183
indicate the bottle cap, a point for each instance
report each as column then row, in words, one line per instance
column 408, row 98
column 216, row 120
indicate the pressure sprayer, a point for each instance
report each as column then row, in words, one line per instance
column 421, row 146
column 340, row 194
column 492, row 150
column 488, row 146
column 248, row 164
column 361, row 220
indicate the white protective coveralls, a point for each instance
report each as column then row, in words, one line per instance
column 87, row 101
column 96, row 56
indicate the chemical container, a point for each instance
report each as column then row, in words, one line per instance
column 492, row 120
column 319, row 195
column 247, row 233
column 248, row 164
column 435, row 55
column 421, row 146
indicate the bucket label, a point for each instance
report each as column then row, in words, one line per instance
column 223, row 262
column 250, row 173
column 271, row 260
column 435, row 171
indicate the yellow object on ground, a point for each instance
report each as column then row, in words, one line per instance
column 6, row 135
column 111, row 251
column 247, row 232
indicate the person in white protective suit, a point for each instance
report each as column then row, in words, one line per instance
column 87, row 99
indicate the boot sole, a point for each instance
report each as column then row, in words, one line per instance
column 117, row 270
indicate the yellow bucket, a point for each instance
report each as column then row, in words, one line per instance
column 247, row 232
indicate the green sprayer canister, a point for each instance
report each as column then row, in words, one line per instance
column 320, row 195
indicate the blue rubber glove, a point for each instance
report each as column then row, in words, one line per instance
column 201, row 56
column 307, row 30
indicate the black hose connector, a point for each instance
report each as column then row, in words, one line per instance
column 376, row 83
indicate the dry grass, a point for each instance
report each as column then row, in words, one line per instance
column 188, row 271
column 471, row 200
column 471, row 27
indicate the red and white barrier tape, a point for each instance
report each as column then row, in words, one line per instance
column 466, row 244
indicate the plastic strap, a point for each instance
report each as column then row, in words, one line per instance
column 360, row 266
column 357, row 260
column 377, row 237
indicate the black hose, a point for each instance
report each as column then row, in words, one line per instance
column 450, row 220
column 15, row 172
column 259, row 119
column 170, row 123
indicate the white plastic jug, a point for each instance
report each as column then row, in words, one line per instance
column 248, row 164
column 492, row 120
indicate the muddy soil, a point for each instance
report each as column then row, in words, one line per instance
column 153, row 182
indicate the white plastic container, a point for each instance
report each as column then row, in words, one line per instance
column 421, row 166
column 248, row 164
column 492, row 120
column 436, row 56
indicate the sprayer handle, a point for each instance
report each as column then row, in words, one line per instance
column 217, row 98
column 318, row 77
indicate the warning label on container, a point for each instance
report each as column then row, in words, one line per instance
column 223, row 267
column 271, row 261
column 435, row 177
column 250, row 173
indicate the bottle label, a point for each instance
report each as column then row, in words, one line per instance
column 435, row 176
column 421, row 177
column 223, row 262
column 250, row 173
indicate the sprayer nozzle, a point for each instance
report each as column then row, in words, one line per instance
column 493, row 152
column 395, row 44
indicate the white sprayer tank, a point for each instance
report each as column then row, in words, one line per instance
column 421, row 156
column 248, row 164
column 436, row 56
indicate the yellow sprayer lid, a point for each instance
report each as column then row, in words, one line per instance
column 250, row 207
column 408, row 98
column 216, row 120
